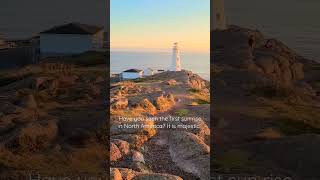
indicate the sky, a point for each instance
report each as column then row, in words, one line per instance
column 148, row 25
column 23, row 19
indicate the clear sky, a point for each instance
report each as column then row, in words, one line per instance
column 157, row 24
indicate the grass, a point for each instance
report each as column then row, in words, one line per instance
column 269, row 133
column 139, row 80
column 90, row 58
column 200, row 97
column 201, row 101
column 192, row 90
column 271, row 91
column 182, row 112
column 59, row 158
column 234, row 161
column 57, row 163
column 289, row 119
column 293, row 127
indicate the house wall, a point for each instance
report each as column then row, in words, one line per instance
column 131, row 75
column 65, row 43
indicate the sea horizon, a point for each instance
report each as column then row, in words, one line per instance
column 197, row 62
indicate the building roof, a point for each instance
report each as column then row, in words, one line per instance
column 133, row 70
column 73, row 28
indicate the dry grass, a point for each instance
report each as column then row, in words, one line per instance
column 290, row 119
column 269, row 133
column 57, row 163
column 57, row 157
column 200, row 97
column 235, row 161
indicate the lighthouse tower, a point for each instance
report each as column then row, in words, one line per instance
column 218, row 15
column 176, row 61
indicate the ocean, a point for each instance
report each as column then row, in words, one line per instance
column 295, row 22
column 198, row 63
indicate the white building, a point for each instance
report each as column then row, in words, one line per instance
column 176, row 61
column 132, row 74
column 72, row 38
column 149, row 72
column 218, row 15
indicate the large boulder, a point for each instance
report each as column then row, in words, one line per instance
column 123, row 146
column 186, row 145
column 115, row 153
column 137, row 157
column 135, row 140
column 267, row 63
column 196, row 82
column 190, row 153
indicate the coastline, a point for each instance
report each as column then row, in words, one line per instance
column 122, row 60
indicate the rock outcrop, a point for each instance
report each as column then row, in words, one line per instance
column 266, row 106
column 269, row 65
column 160, row 96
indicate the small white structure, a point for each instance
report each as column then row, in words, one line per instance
column 218, row 15
column 176, row 61
column 72, row 38
column 131, row 74
column 149, row 72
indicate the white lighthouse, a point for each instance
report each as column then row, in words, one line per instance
column 176, row 61
column 218, row 15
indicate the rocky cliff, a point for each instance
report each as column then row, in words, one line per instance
column 153, row 149
column 265, row 95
